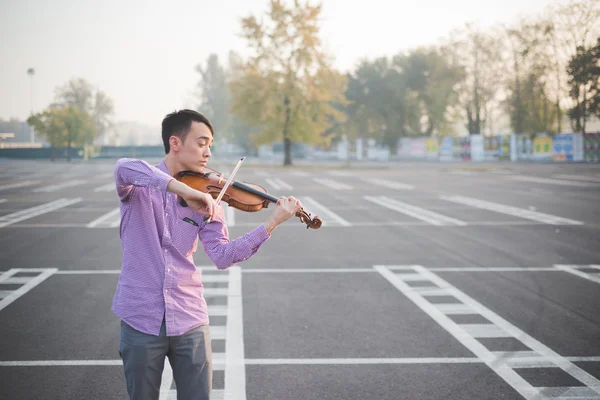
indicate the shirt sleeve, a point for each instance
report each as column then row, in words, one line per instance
column 224, row 252
column 130, row 172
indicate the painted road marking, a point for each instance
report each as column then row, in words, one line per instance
column 339, row 173
column 235, row 372
column 285, row 361
column 293, row 226
column 107, row 220
column 300, row 173
column 514, row 211
column 464, row 173
column 59, row 186
column 388, row 183
column 213, row 292
column 18, row 185
column 278, row 184
column 330, row 183
column 535, row 179
column 415, row 212
column 44, row 273
column 329, row 217
column 229, row 214
column 464, row 333
column 18, row 216
column 166, row 393
column 574, row 269
column 109, row 187
column 405, row 271
column 580, row 178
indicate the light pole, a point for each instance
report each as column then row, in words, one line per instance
column 31, row 73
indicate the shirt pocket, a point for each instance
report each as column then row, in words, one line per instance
column 185, row 235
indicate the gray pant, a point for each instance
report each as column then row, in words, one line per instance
column 190, row 356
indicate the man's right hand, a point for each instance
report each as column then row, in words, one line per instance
column 200, row 202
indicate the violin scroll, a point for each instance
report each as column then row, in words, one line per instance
column 314, row 223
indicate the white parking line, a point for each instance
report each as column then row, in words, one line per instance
column 2, row 200
column 31, row 283
column 15, row 217
column 229, row 215
column 166, row 382
column 107, row 220
column 414, row 211
column 464, row 173
column 58, row 186
column 363, row 361
column 467, row 333
column 517, row 212
column 278, row 184
column 106, row 188
column 330, row 183
column 300, row 173
column 283, row 361
column 18, row 185
column 573, row 269
column 388, row 183
column 235, row 373
column 339, row 173
column 536, row 179
column 580, row 178
column 317, row 209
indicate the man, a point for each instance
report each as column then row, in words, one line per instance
column 159, row 296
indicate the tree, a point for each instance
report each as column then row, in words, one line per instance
column 431, row 82
column 584, row 82
column 213, row 93
column 81, row 94
column 287, row 88
column 574, row 25
column 376, row 102
column 529, row 102
column 478, row 54
column 64, row 126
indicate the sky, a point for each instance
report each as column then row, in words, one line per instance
column 142, row 54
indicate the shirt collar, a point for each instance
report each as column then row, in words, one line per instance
column 162, row 166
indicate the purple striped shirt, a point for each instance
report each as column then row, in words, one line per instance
column 158, row 275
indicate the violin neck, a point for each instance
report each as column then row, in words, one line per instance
column 249, row 189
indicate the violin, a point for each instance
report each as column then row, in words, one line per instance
column 248, row 197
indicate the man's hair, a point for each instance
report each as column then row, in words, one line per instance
column 179, row 123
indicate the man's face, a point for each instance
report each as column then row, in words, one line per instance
column 194, row 152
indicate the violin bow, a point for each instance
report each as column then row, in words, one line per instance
column 207, row 220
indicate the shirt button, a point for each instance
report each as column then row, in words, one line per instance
column 166, row 251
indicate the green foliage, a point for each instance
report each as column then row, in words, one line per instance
column 410, row 95
column 584, row 85
column 530, row 108
column 287, row 89
column 82, row 95
column 64, row 126
column 213, row 93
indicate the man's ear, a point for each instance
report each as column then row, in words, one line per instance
column 174, row 143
